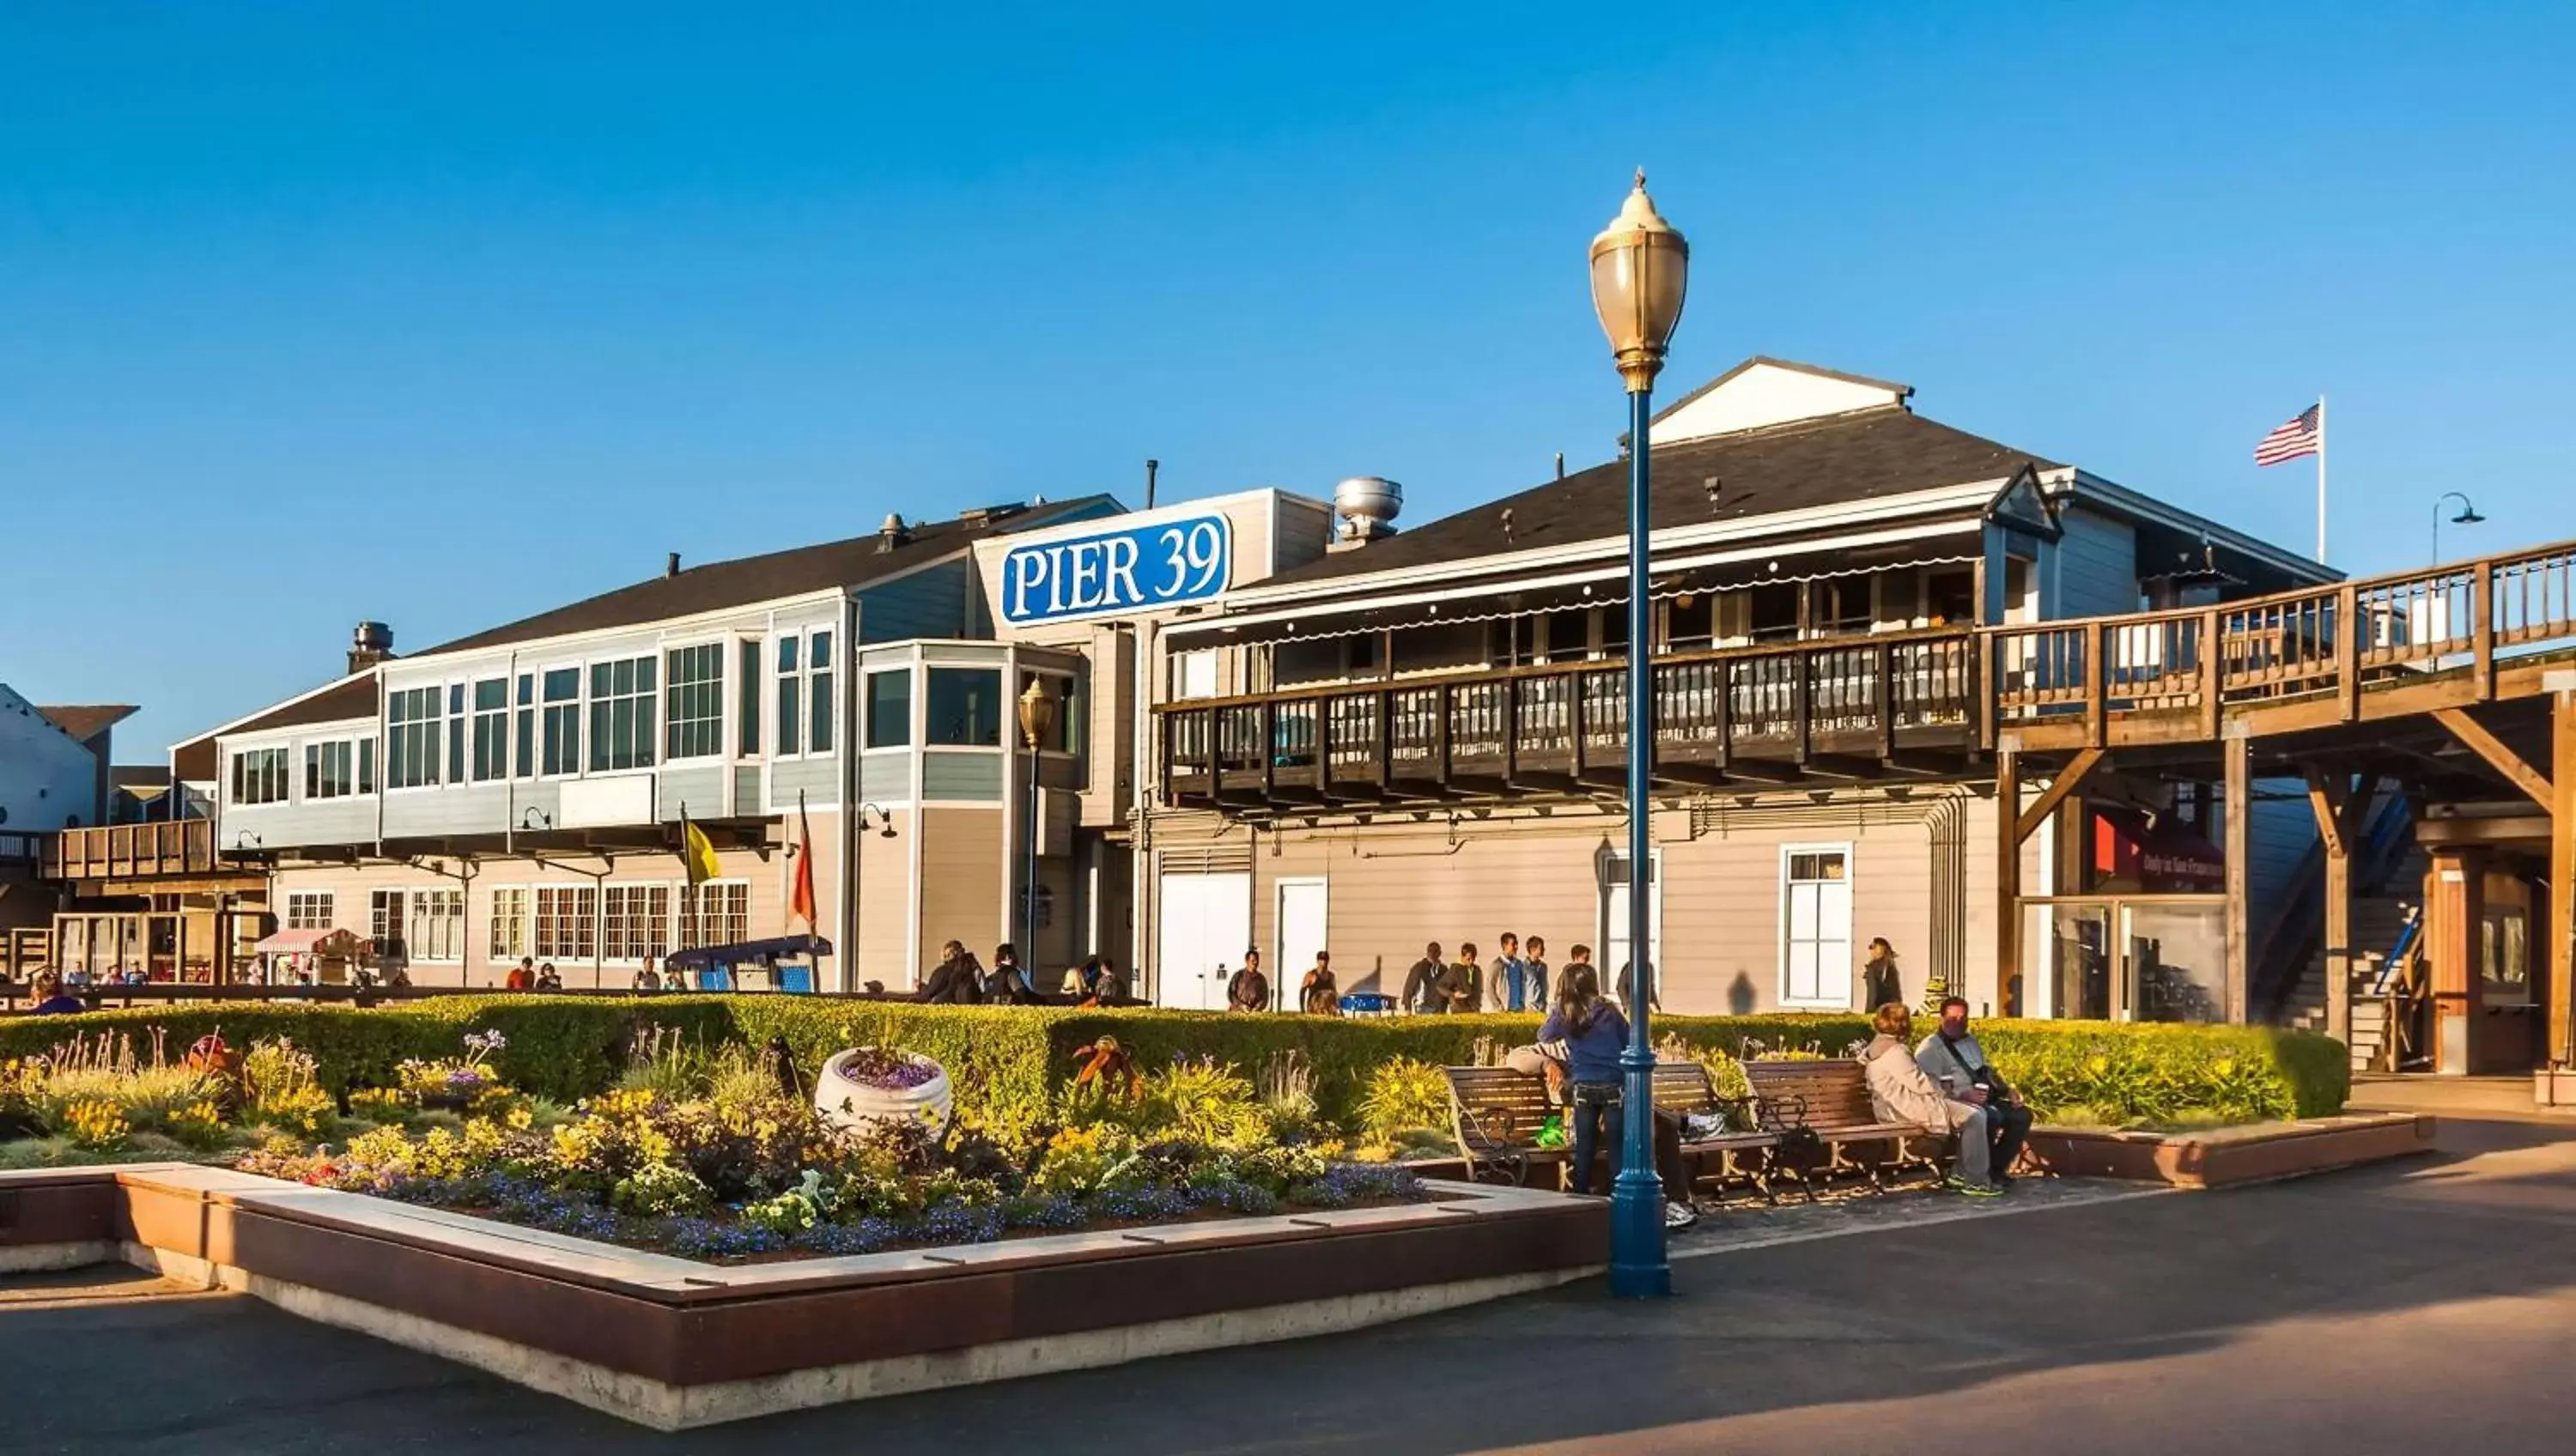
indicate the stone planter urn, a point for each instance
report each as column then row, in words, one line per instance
column 860, row 1085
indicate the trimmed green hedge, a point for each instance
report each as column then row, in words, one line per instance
column 1008, row 1064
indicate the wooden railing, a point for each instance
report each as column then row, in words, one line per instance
column 2406, row 643
column 131, row 851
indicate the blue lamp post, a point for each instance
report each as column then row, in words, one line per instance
column 1639, row 269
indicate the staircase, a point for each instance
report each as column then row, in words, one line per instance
column 2377, row 922
column 2387, row 874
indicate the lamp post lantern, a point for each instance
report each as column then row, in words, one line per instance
column 1640, row 265
column 1037, row 716
column 2468, row 516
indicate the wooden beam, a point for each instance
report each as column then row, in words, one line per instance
column 2329, row 798
column 2239, row 753
column 2474, row 736
column 2007, row 877
column 2562, row 884
column 2055, row 794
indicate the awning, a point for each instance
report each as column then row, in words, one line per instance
column 706, row 957
column 308, row 942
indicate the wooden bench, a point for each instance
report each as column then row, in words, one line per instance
column 1830, row 1099
column 1496, row 1114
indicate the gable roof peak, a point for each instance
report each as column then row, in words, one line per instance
column 1764, row 391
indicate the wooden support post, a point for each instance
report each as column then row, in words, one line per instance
column 2097, row 683
column 2213, row 672
column 2007, row 872
column 2474, row 736
column 2239, row 814
column 2482, row 628
column 1385, row 739
column 2562, row 883
column 1324, row 747
column 1576, row 716
column 1886, row 685
column 1443, row 703
column 1802, row 702
column 2328, row 800
column 2454, row 921
column 2348, row 631
column 1269, row 770
column 1725, row 712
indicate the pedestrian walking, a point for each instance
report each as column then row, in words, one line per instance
column 1879, row 982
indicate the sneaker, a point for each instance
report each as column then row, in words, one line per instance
column 1679, row 1216
column 1974, row 1190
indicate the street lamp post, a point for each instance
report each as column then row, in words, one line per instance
column 1037, row 715
column 2468, row 516
column 1639, row 269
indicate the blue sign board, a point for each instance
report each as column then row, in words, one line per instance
column 1118, row 573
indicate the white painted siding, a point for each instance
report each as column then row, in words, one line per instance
column 47, row 781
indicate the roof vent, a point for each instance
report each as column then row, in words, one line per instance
column 1368, row 505
column 982, row 516
column 671, row 566
column 893, row 532
column 369, row 644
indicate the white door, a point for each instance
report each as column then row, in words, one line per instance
column 1301, row 935
column 1204, row 922
column 1816, row 916
column 1614, row 924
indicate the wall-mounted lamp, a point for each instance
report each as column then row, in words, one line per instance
column 885, row 821
column 244, row 839
column 544, row 819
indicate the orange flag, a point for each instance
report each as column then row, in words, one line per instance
column 800, row 898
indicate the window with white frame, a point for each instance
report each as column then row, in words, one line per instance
column 330, row 769
column 491, row 729
column 963, row 707
column 437, row 925
column 523, row 760
column 821, row 708
column 693, row 701
column 718, row 914
column 385, row 923
column 634, row 921
column 366, row 765
column 308, row 909
column 456, row 733
column 563, row 721
column 509, row 937
column 1815, row 925
column 621, row 714
column 565, row 924
column 747, row 699
column 1613, row 959
column 791, row 695
column 259, row 776
column 411, row 738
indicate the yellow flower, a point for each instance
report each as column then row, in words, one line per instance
column 521, row 1118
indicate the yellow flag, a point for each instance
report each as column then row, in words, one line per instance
column 698, row 853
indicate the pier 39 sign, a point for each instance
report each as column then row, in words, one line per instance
column 1116, row 573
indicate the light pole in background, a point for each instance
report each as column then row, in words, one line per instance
column 1639, row 269
column 1037, row 717
column 2468, row 516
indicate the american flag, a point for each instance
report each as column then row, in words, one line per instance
column 2301, row 436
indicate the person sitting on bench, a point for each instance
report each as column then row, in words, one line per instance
column 1899, row 1092
column 1951, row 1057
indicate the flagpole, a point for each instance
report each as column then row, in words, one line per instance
column 2321, row 477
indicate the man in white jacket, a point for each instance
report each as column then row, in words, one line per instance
column 1899, row 1092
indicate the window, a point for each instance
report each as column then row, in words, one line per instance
column 621, row 714
column 1690, row 622
column 411, row 738
column 437, row 925
column 385, row 921
column 720, row 914
column 1775, row 612
column 509, row 924
column 456, row 733
column 1815, row 925
column 789, row 689
column 567, row 918
column 693, row 701
column 308, row 910
column 1194, row 675
column 563, row 721
column 1950, row 598
column 747, row 701
column 527, row 754
column 259, row 776
column 965, row 706
column 820, row 707
column 330, row 770
column 1613, row 959
column 1569, row 634
column 491, row 729
column 1839, row 605
column 1064, row 734
column 634, row 921
column 889, row 709
column 1900, row 597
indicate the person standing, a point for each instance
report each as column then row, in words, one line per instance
column 1319, row 994
column 1534, row 972
column 1418, row 982
column 1951, row 1057
column 1879, row 982
column 1457, row 988
column 1249, row 990
column 1006, row 984
column 1503, row 988
column 1591, row 1033
column 953, row 981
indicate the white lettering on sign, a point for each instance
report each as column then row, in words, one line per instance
column 1139, row 569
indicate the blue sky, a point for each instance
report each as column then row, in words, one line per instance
column 444, row 313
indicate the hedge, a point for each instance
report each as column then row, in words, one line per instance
column 1009, row 1064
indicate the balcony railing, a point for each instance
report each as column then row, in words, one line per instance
column 1913, row 703
column 132, row 851
column 1773, row 712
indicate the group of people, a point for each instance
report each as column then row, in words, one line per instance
column 527, row 975
column 1516, row 979
column 1945, row 1082
column 961, row 980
